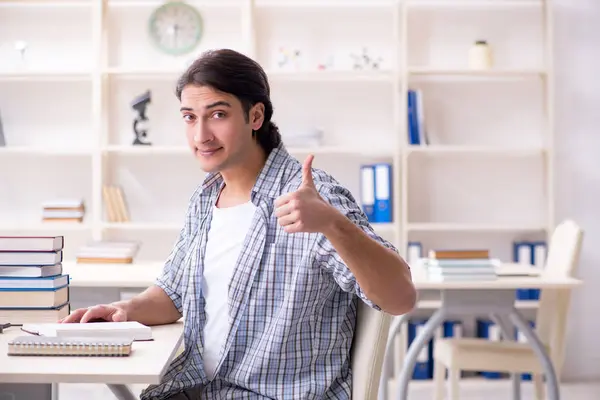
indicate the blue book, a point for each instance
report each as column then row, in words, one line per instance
column 383, row 193
column 413, row 118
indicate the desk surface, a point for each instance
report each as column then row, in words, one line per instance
column 142, row 275
column 147, row 363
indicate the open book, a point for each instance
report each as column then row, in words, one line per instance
column 130, row 329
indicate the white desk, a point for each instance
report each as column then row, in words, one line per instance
column 495, row 298
column 147, row 363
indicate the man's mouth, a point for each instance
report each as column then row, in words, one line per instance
column 208, row 152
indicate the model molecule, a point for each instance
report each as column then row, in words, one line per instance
column 365, row 61
column 288, row 58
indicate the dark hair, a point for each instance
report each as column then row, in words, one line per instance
column 231, row 72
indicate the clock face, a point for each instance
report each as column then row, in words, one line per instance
column 176, row 28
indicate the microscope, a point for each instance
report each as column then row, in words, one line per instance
column 140, row 123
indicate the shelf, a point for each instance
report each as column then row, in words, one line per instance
column 142, row 226
column 346, row 76
column 45, row 4
column 43, row 151
column 158, row 3
column 140, row 150
column 476, row 150
column 448, row 4
column 144, row 73
column 441, row 227
column 465, row 73
column 45, row 75
column 435, row 304
column 46, row 226
column 340, row 150
column 339, row 4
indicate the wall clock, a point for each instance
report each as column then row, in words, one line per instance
column 175, row 27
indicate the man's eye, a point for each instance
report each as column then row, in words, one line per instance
column 219, row 115
column 188, row 117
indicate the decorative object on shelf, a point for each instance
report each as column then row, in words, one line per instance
column 363, row 60
column 2, row 138
column 63, row 210
column 21, row 46
column 288, row 58
column 114, row 201
column 108, row 252
column 175, row 28
column 328, row 64
column 480, row 56
column 140, row 123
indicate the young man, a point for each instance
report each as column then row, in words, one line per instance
column 272, row 259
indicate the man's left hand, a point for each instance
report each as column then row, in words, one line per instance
column 304, row 210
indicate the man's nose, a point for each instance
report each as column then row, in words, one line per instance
column 201, row 133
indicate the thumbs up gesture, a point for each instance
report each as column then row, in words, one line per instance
column 303, row 210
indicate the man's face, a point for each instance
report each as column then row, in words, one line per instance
column 217, row 129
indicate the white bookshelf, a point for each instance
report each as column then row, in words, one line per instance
column 484, row 180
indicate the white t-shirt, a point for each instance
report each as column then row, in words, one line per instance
column 226, row 235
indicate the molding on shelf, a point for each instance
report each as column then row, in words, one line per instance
column 43, row 151
column 146, row 150
column 474, row 4
column 46, row 75
column 156, row 3
column 346, row 76
column 337, row 4
column 467, row 227
column 46, row 4
column 466, row 73
column 483, row 150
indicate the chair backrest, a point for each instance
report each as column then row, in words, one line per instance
column 368, row 351
column 562, row 261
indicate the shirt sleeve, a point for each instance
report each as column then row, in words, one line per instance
column 326, row 255
column 171, row 278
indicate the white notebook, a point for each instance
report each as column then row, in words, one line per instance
column 129, row 329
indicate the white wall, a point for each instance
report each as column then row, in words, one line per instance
column 578, row 168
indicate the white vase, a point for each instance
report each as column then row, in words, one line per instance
column 480, row 56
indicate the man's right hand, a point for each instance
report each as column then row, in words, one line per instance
column 101, row 312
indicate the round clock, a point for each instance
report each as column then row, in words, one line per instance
column 175, row 27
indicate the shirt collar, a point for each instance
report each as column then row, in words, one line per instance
column 270, row 180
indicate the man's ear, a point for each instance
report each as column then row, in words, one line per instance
column 257, row 116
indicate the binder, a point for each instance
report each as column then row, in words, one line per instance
column 539, row 250
column 383, row 193
column 423, row 366
column 520, row 337
column 523, row 254
column 367, row 191
column 413, row 118
column 487, row 329
column 449, row 329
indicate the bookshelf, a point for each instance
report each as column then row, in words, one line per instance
column 484, row 179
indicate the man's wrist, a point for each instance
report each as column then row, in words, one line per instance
column 335, row 223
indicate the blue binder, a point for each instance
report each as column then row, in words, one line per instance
column 424, row 366
column 487, row 329
column 523, row 254
column 383, row 193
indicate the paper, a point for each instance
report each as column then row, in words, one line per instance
column 129, row 329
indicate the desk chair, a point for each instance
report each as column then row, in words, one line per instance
column 473, row 354
column 368, row 350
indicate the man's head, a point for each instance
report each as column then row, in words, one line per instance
column 226, row 106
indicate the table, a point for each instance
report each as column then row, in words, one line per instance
column 495, row 298
column 147, row 363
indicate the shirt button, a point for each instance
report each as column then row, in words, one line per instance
column 179, row 368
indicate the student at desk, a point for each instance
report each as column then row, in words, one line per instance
column 271, row 260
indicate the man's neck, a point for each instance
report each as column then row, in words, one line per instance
column 240, row 180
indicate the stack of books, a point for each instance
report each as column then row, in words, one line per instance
column 63, row 211
column 33, row 287
column 108, row 252
column 460, row 265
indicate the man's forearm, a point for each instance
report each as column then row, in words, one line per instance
column 382, row 274
column 151, row 307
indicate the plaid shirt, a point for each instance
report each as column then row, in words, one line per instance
column 292, row 300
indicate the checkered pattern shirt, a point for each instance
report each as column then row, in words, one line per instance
column 292, row 300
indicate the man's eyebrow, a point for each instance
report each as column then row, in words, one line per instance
column 212, row 105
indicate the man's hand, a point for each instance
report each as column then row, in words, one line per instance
column 304, row 210
column 102, row 312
